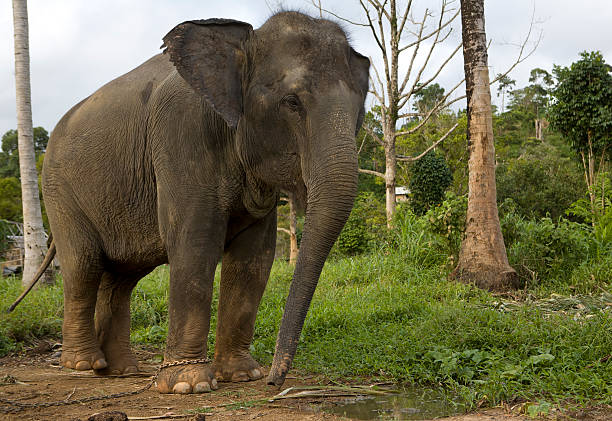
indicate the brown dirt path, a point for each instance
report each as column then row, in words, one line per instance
column 36, row 377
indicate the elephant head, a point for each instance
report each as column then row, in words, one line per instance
column 292, row 93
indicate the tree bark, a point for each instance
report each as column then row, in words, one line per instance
column 390, row 174
column 482, row 259
column 293, row 250
column 33, row 231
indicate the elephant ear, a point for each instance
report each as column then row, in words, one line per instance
column 209, row 55
column 360, row 69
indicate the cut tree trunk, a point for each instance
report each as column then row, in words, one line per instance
column 33, row 231
column 482, row 259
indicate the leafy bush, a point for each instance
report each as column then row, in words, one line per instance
column 365, row 224
column 430, row 178
column 448, row 221
column 542, row 182
column 541, row 250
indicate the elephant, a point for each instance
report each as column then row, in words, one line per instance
column 181, row 161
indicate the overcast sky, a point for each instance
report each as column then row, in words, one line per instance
column 76, row 46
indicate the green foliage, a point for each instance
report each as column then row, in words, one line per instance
column 598, row 213
column 365, row 223
column 431, row 176
column 425, row 99
column 9, row 156
column 582, row 106
column 448, row 221
column 541, row 181
column 10, row 187
column 545, row 251
column 10, row 199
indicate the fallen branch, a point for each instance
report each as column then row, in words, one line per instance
column 167, row 415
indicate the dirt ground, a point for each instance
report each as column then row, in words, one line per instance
column 35, row 376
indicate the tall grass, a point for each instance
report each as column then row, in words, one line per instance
column 390, row 315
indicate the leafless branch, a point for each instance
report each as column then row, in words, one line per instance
column 318, row 6
column 414, row 54
column 521, row 56
column 416, row 87
column 371, row 172
column 374, row 135
column 431, row 34
column 371, row 25
column 285, row 230
column 436, row 143
column 404, row 18
column 409, row 115
column 374, row 92
column 443, row 103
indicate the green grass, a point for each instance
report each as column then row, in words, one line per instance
column 390, row 317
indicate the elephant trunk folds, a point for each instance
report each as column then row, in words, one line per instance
column 332, row 187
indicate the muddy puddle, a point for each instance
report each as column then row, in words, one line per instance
column 410, row 404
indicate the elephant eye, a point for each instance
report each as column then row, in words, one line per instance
column 292, row 102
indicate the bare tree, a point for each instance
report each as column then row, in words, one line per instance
column 292, row 231
column 482, row 259
column 33, row 231
column 390, row 25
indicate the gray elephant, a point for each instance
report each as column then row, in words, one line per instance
column 180, row 161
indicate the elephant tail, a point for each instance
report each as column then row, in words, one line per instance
column 43, row 267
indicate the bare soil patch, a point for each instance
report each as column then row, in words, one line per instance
column 36, row 377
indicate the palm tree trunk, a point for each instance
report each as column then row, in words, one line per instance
column 33, row 231
column 482, row 259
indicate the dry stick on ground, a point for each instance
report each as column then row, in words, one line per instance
column 388, row 29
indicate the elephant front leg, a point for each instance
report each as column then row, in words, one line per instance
column 192, row 269
column 245, row 270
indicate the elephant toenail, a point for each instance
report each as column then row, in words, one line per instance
column 182, row 388
column 202, row 387
column 255, row 374
column 240, row 376
column 130, row 370
column 99, row 364
column 83, row 365
column 213, row 384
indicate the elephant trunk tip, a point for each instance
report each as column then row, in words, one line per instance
column 279, row 370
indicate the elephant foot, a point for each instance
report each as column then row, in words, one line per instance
column 193, row 378
column 119, row 363
column 237, row 369
column 83, row 360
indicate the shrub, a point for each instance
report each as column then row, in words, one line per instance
column 448, row 221
column 365, row 226
column 541, row 182
column 541, row 250
column 430, row 178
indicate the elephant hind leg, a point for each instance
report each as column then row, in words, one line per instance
column 113, row 323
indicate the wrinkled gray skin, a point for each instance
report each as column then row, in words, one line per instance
column 181, row 161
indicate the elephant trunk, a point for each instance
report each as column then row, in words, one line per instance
column 331, row 180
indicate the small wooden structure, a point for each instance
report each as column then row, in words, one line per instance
column 11, row 260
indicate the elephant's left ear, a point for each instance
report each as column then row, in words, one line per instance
column 209, row 55
column 360, row 69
